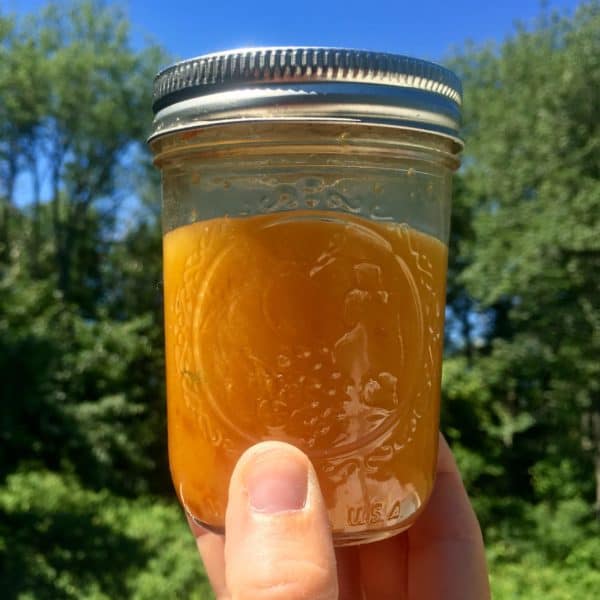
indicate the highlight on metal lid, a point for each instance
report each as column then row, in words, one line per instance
column 304, row 82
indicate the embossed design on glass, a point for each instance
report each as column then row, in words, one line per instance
column 331, row 345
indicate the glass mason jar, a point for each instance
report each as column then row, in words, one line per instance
column 306, row 205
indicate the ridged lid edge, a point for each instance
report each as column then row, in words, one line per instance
column 263, row 66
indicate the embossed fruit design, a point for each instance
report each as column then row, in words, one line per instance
column 318, row 328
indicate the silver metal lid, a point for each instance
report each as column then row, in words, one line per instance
column 323, row 84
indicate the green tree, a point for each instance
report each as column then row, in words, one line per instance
column 59, row 540
column 88, row 373
column 523, row 383
column 22, row 103
column 83, row 469
column 73, row 92
column 82, row 432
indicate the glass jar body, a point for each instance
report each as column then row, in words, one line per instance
column 304, row 280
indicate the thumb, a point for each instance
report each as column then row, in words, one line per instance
column 278, row 543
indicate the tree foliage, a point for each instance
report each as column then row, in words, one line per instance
column 83, row 473
column 59, row 540
column 522, row 385
column 86, row 508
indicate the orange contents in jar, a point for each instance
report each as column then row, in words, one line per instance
column 321, row 329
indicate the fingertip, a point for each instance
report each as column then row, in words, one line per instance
column 274, row 475
column 446, row 539
column 446, row 462
column 211, row 549
column 196, row 529
column 278, row 541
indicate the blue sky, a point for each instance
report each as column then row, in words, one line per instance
column 424, row 28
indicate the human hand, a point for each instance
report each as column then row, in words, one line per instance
column 279, row 546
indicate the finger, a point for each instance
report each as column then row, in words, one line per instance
column 383, row 568
column 278, row 543
column 348, row 569
column 446, row 541
column 212, row 551
column 448, row 516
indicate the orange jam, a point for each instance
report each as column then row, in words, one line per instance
column 321, row 329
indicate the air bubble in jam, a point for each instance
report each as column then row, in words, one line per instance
column 283, row 361
column 317, row 328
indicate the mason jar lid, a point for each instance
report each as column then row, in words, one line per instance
column 307, row 84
